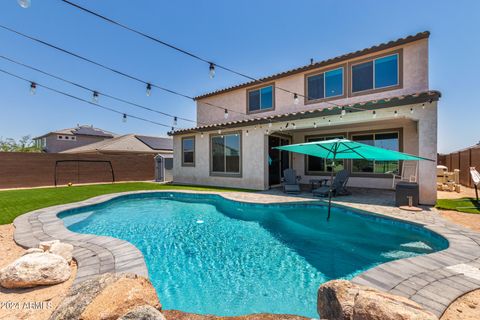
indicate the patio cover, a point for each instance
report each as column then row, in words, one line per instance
column 346, row 149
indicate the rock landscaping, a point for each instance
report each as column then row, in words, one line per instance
column 39, row 266
column 343, row 300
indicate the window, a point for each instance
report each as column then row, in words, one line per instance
column 325, row 85
column 388, row 141
column 376, row 74
column 225, row 154
column 316, row 165
column 188, row 151
column 260, row 99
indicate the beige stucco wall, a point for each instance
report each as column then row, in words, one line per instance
column 253, row 166
column 419, row 137
column 415, row 79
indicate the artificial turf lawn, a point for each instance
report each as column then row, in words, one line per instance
column 468, row 205
column 16, row 202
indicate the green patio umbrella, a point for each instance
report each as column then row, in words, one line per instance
column 345, row 149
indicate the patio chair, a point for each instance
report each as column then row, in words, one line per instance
column 290, row 181
column 339, row 186
column 409, row 173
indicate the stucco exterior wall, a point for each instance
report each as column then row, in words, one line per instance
column 419, row 137
column 253, row 164
column 415, row 79
column 53, row 145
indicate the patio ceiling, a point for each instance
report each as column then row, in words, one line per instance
column 420, row 97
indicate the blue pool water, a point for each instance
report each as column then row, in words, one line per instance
column 209, row 255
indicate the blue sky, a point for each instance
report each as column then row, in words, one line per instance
column 256, row 37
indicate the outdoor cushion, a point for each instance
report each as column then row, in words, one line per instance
column 291, row 188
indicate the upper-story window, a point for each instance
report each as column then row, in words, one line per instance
column 324, row 85
column 188, row 151
column 260, row 99
column 375, row 74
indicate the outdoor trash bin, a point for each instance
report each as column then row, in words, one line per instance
column 405, row 190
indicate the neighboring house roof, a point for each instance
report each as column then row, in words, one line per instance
column 127, row 143
column 420, row 97
column 84, row 130
column 348, row 56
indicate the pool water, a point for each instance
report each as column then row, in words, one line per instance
column 209, row 255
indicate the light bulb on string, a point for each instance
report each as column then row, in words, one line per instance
column 344, row 112
column 219, row 131
column 295, row 99
column 124, row 119
column 175, row 121
column 211, row 70
column 201, row 135
column 95, row 97
column 270, row 124
column 315, row 125
column 33, row 88
column 294, row 126
column 395, row 113
column 374, row 114
column 24, row 3
column 329, row 122
column 226, row 114
column 149, row 89
column 246, row 133
column 411, row 110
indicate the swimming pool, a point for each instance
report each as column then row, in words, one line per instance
column 209, row 255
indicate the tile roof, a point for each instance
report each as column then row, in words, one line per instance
column 351, row 55
column 418, row 97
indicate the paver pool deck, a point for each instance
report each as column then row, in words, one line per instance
column 433, row 280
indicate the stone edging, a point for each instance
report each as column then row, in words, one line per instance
column 433, row 280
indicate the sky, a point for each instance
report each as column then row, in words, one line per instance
column 256, row 37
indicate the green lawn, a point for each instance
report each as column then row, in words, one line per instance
column 468, row 205
column 16, row 202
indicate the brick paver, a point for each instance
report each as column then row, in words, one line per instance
column 432, row 280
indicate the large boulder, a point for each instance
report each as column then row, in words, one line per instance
column 343, row 300
column 46, row 245
column 180, row 315
column 62, row 249
column 107, row 296
column 35, row 269
column 143, row 313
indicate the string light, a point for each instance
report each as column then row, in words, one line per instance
column 95, row 97
column 374, row 114
column 329, row 122
column 267, row 131
column 219, row 131
column 315, row 125
column 149, row 89
column 211, row 70
column 246, row 133
column 270, row 124
column 124, row 119
column 294, row 126
column 295, row 99
column 343, row 111
column 201, row 135
column 175, row 121
column 395, row 113
column 423, row 105
column 33, row 88
column 226, row 114
column 411, row 110
column 24, row 3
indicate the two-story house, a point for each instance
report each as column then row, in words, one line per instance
column 65, row 139
column 379, row 96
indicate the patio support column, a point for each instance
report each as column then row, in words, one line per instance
column 427, row 141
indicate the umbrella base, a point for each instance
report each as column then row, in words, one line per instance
column 411, row 208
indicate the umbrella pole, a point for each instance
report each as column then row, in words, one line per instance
column 331, row 185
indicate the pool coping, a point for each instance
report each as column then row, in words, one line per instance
column 432, row 280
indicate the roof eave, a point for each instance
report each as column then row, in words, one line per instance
column 371, row 105
column 323, row 63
